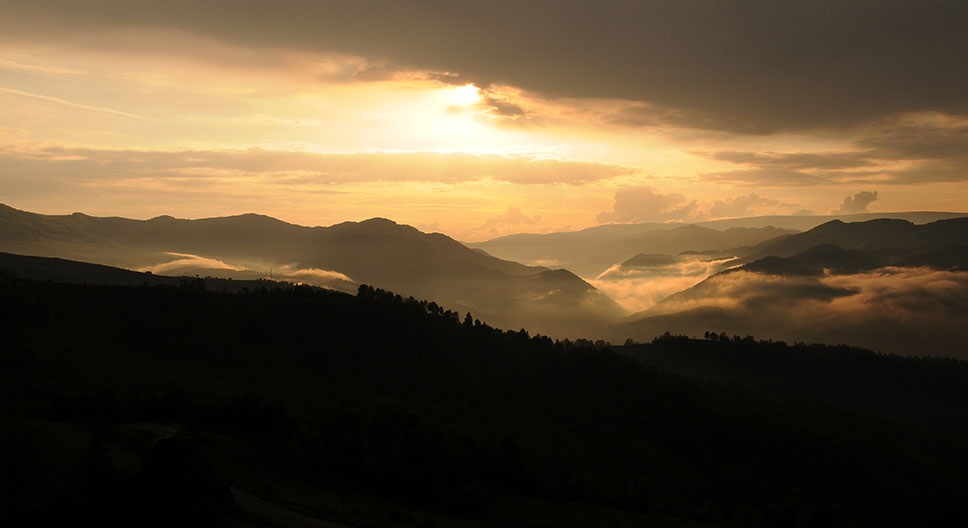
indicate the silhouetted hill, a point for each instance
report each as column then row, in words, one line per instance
column 643, row 260
column 823, row 259
column 70, row 271
column 375, row 251
column 899, row 237
column 828, row 258
column 374, row 410
column 807, row 222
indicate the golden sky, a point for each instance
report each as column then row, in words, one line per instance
column 479, row 120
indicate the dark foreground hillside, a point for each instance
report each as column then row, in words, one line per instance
column 161, row 405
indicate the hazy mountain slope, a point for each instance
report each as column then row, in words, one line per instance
column 377, row 251
column 592, row 251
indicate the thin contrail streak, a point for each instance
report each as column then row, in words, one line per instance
column 71, row 103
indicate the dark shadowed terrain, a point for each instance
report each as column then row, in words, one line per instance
column 375, row 410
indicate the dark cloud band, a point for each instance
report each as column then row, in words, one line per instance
column 753, row 66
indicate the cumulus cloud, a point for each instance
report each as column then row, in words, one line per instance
column 644, row 204
column 512, row 217
column 740, row 206
column 757, row 69
column 857, row 203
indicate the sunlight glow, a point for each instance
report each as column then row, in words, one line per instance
column 466, row 95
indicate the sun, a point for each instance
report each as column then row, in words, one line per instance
column 466, row 95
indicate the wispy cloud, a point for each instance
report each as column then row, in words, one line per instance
column 73, row 104
column 918, row 148
column 297, row 167
column 186, row 261
column 19, row 65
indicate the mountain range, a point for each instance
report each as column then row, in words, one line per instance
column 592, row 251
column 887, row 284
column 377, row 252
column 589, row 252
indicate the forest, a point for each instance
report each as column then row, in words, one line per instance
column 379, row 410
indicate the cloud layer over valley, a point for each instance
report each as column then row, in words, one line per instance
column 911, row 311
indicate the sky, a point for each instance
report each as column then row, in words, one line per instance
column 480, row 119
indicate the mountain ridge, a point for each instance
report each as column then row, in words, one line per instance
column 375, row 251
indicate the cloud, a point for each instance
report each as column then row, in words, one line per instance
column 186, row 262
column 768, row 66
column 72, row 165
column 644, row 204
column 315, row 274
column 512, row 217
column 857, row 203
column 789, row 302
column 898, row 292
column 926, row 136
column 503, row 108
column 794, row 160
column 907, row 292
column 73, row 104
column 740, row 206
column 911, row 311
column 509, row 221
column 792, row 169
column 640, row 288
column 333, row 280
column 917, row 148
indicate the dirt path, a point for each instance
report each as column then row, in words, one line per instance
column 278, row 516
